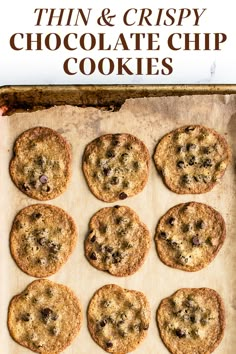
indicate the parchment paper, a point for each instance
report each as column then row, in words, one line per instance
column 149, row 119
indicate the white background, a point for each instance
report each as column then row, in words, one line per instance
column 46, row 67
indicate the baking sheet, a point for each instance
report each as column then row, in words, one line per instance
column 149, row 119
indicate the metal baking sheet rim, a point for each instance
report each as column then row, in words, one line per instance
column 40, row 97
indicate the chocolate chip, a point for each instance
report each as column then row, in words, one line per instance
column 186, row 179
column 93, row 256
column 39, row 344
column 196, row 241
column 207, row 163
column 42, row 261
column 109, row 249
column 33, row 184
column 125, row 184
column 204, row 321
column 43, row 179
column 196, row 178
column 209, row 241
column 205, row 178
column 119, row 220
column 116, row 254
column 122, row 231
column 123, row 196
column 180, row 333
column 109, row 344
column 173, row 244
column 42, row 241
column 93, row 239
column 180, row 164
column 115, row 142
column 111, row 319
column 54, row 331
column 207, row 149
column 106, row 258
column 191, row 147
column 136, row 165
column 145, row 327
column 115, row 180
column 103, row 228
column 40, row 232
column 193, row 319
column 128, row 146
column 192, row 160
column 25, row 187
column 186, row 227
column 124, row 157
column 106, row 171
column 106, row 303
column 137, row 327
column 46, row 314
column 171, row 221
column 123, row 333
column 53, row 256
column 25, row 317
column 127, row 245
column 116, row 206
column 120, row 323
column 26, row 294
column 123, row 316
column 110, row 154
column 189, row 302
column 101, row 248
column 103, row 323
column 189, row 129
column 36, row 216
column 107, row 186
column 41, row 161
column 181, row 148
column 116, row 257
column 54, row 317
column 182, row 259
column 163, row 235
column 18, row 225
column 200, row 224
column 194, row 333
column 54, row 247
column 50, row 292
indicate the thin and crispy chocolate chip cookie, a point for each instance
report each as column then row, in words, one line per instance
column 41, row 165
column 192, row 159
column 42, row 239
column 116, row 166
column 192, row 321
column 118, row 319
column 189, row 236
column 45, row 317
column 118, row 241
